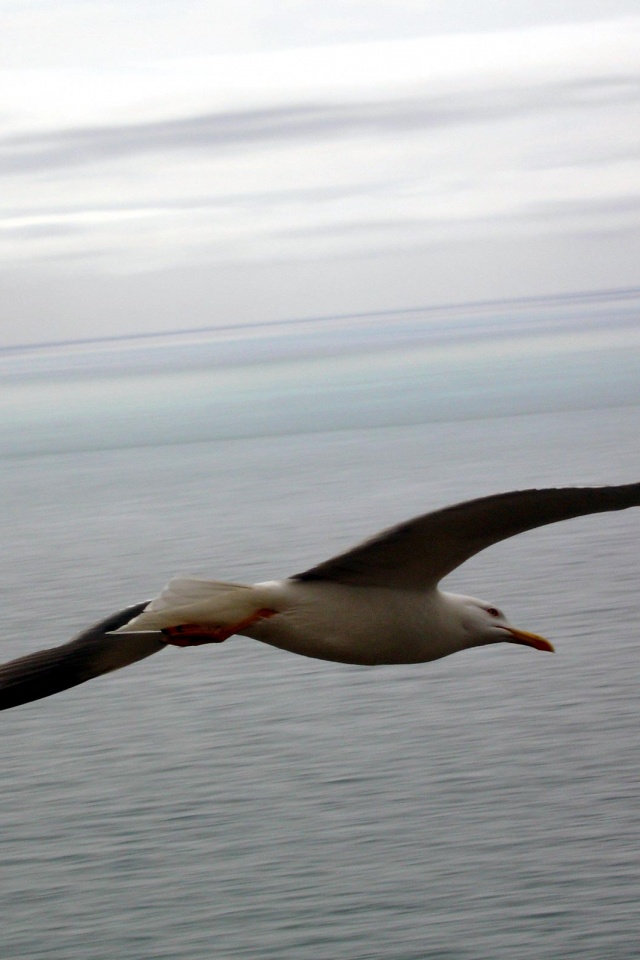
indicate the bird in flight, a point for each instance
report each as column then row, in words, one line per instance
column 378, row 603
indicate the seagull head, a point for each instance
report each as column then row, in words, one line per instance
column 483, row 623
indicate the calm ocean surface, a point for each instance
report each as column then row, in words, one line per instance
column 238, row 802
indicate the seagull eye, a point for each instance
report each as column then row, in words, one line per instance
column 493, row 612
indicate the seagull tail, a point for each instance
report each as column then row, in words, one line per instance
column 189, row 600
column 91, row 653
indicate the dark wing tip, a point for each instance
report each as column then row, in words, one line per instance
column 89, row 654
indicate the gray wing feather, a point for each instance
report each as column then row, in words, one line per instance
column 90, row 654
column 416, row 554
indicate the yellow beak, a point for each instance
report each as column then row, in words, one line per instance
column 530, row 639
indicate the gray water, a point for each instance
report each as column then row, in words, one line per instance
column 239, row 802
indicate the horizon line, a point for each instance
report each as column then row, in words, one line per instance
column 593, row 295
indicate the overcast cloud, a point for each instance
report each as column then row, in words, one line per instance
column 295, row 159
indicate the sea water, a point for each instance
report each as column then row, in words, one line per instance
column 235, row 801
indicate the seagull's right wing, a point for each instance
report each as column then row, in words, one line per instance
column 89, row 654
column 415, row 555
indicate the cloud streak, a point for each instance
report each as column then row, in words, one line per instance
column 283, row 162
column 314, row 122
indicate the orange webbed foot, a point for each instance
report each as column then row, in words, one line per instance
column 195, row 634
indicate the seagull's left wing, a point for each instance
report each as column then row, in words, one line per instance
column 91, row 653
column 415, row 555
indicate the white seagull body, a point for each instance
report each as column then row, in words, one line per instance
column 359, row 624
column 379, row 603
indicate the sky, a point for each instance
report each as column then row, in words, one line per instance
column 167, row 165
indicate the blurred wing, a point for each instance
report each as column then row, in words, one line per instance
column 91, row 653
column 415, row 555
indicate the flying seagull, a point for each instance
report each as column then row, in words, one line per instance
column 378, row 603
